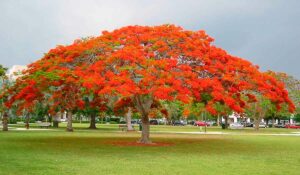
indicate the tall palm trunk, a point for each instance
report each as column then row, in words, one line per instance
column 69, row 120
column 5, row 121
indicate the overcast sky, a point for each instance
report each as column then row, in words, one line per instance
column 266, row 32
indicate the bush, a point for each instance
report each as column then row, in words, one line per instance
column 297, row 117
column 32, row 120
column 113, row 122
column 117, row 120
column 12, row 121
column 270, row 125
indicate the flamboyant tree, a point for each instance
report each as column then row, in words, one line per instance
column 169, row 63
column 292, row 85
column 149, row 64
column 267, row 95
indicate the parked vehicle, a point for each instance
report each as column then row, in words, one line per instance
column 200, row 123
column 249, row 125
column 261, row 125
column 153, row 122
column 236, row 126
column 279, row 125
column 134, row 121
column 210, row 123
column 178, row 123
column 191, row 122
column 292, row 126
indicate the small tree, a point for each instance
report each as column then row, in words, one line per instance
column 3, row 97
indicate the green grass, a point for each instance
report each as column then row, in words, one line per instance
column 92, row 152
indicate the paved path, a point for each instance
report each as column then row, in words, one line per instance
column 30, row 129
column 228, row 133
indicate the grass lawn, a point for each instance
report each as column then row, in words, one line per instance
column 105, row 151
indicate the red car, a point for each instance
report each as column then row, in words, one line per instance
column 292, row 126
column 200, row 123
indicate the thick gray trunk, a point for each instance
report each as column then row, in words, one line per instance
column 145, row 138
column 143, row 104
column 256, row 122
column 69, row 120
column 5, row 122
column 128, row 119
column 93, row 121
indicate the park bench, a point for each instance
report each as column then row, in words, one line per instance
column 43, row 124
column 123, row 127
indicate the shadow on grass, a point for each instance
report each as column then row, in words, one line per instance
column 77, row 143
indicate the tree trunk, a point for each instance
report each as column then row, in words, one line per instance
column 218, row 120
column 5, row 122
column 273, row 122
column 55, row 120
column 143, row 105
column 226, row 121
column 93, row 121
column 128, row 119
column 145, row 138
column 256, row 122
column 69, row 124
column 27, row 121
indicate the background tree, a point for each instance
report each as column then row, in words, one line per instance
column 174, row 110
column 291, row 84
column 3, row 109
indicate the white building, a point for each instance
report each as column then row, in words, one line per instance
column 234, row 118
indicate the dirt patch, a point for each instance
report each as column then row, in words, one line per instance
column 130, row 143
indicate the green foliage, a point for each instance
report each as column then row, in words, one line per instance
column 205, row 97
column 2, row 71
column 174, row 108
column 197, row 110
column 53, row 75
column 40, row 112
column 136, row 115
column 297, row 117
column 12, row 120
